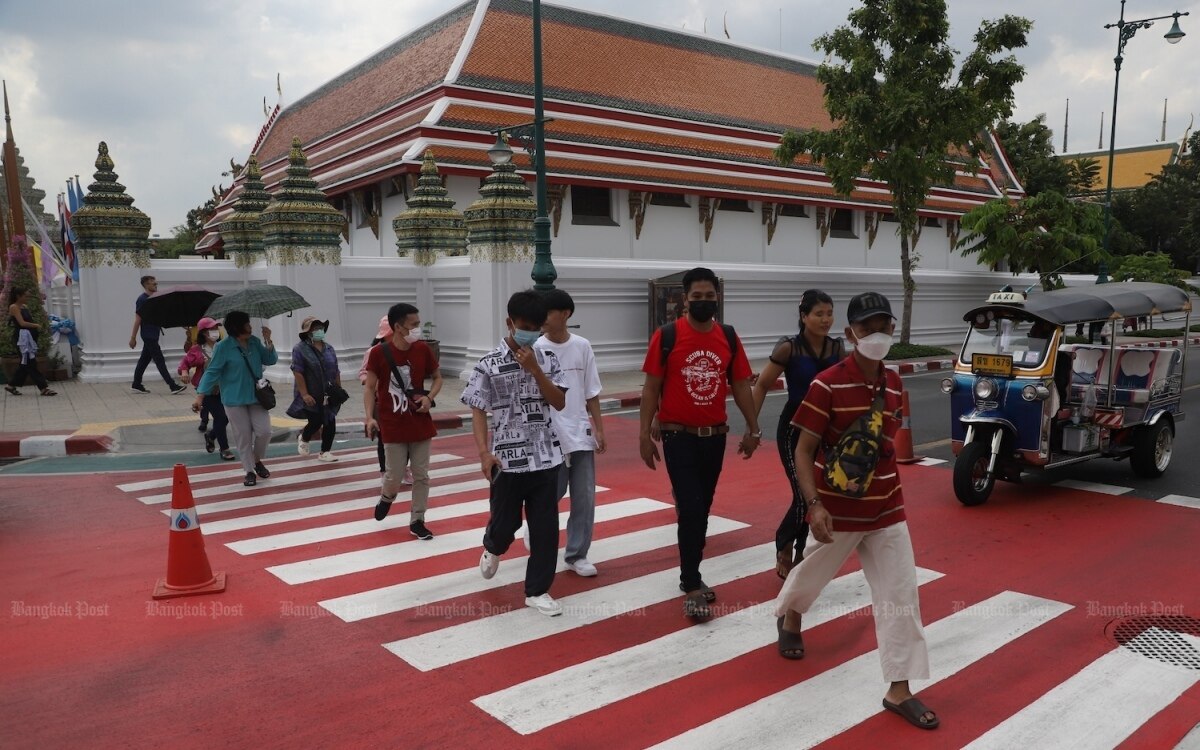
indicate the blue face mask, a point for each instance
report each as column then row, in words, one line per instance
column 525, row 338
column 318, row 335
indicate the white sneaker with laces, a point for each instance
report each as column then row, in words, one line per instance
column 544, row 604
column 302, row 446
column 525, row 536
column 327, row 457
column 582, row 567
column 488, row 564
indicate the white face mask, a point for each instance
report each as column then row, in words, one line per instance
column 874, row 347
column 211, row 335
column 413, row 336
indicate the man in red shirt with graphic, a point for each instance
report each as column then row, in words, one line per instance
column 395, row 391
column 686, row 389
column 867, row 515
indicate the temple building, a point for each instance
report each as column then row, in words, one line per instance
column 1133, row 166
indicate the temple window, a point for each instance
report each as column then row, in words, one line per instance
column 794, row 209
column 591, row 205
column 931, row 221
column 677, row 200
column 735, row 204
column 841, row 224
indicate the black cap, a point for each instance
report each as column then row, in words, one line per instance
column 866, row 305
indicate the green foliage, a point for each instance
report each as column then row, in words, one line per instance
column 1083, row 175
column 911, row 351
column 19, row 272
column 1030, row 149
column 1039, row 234
column 1164, row 215
column 1155, row 333
column 899, row 109
column 1077, row 340
column 1155, row 267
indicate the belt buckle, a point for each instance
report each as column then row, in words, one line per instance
column 704, row 431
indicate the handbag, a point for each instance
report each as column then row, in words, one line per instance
column 263, row 391
column 850, row 462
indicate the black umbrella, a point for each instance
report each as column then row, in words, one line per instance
column 258, row 301
column 177, row 307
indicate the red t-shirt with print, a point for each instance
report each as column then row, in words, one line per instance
column 837, row 397
column 398, row 422
column 694, row 379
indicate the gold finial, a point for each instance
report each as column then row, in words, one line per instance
column 7, row 117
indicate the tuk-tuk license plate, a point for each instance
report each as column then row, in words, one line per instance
column 999, row 365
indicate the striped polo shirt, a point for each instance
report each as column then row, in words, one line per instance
column 837, row 397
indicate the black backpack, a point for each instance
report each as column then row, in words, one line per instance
column 667, row 342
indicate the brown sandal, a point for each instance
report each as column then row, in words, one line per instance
column 48, row 392
column 785, row 560
column 13, row 390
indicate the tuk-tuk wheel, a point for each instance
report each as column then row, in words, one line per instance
column 1152, row 447
column 972, row 482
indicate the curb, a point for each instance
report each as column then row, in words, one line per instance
column 34, row 446
column 907, row 368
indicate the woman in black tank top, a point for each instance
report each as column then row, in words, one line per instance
column 20, row 318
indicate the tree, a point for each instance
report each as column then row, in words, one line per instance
column 1039, row 234
column 19, row 272
column 1083, row 175
column 1156, row 267
column 1029, row 147
column 899, row 113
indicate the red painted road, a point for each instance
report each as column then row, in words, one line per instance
column 90, row 660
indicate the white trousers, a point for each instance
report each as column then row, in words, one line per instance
column 887, row 562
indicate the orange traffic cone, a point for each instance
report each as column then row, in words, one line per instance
column 903, row 441
column 188, row 571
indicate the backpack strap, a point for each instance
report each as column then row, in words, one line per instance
column 667, row 343
column 732, row 339
column 387, row 352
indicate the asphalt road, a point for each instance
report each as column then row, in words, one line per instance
column 930, row 423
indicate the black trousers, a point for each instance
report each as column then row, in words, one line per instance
column 537, row 492
column 694, row 466
column 220, row 420
column 793, row 529
column 379, row 452
column 29, row 370
column 152, row 351
column 323, row 421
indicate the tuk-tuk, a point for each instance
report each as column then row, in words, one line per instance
column 1024, row 400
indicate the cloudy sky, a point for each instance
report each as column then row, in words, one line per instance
column 176, row 88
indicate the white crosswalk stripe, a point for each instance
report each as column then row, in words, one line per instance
column 345, row 563
column 459, row 583
column 1104, row 489
column 828, row 704
column 534, row 705
column 278, row 466
column 1181, row 500
column 1101, row 705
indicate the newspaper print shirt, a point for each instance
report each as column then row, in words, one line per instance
column 523, row 436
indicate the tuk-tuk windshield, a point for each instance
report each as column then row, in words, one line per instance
column 1026, row 339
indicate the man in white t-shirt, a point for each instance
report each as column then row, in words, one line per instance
column 581, row 439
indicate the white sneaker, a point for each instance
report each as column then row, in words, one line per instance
column 488, row 564
column 582, row 567
column 327, row 457
column 407, row 477
column 302, row 446
column 544, row 604
column 525, row 536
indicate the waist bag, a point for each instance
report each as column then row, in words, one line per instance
column 850, row 462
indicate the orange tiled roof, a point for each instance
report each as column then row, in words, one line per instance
column 1133, row 166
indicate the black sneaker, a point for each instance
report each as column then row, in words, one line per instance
column 261, row 470
column 417, row 528
column 383, row 507
column 203, row 427
column 139, row 388
column 177, row 388
column 210, row 442
column 250, row 479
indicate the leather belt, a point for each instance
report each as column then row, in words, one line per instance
column 717, row 429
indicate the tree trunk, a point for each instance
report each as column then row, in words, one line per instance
column 909, row 288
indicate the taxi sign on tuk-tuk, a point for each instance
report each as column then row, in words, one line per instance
column 1006, row 298
column 997, row 365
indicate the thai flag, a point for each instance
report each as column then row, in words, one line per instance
column 66, row 236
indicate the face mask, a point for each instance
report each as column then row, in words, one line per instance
column 318, row 335
column 211, row 335
column 413, row 336
column 525, row 338
column 702, row 310
column 874, row 347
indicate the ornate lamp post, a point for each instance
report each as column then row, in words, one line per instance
column 1125, row 32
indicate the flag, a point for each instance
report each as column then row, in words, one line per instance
column 74, row 203
column 67, row 238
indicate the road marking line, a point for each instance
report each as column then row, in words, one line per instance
column 206, row 474
column 1185, row 501
column 927, row 461
column 356, row 528
column 479, row 637
column 422, row 591
column 531, row 706
column 331, row 566
column 824, row 706
column 1104, row 489
column 1099, row 706
column 309, row 477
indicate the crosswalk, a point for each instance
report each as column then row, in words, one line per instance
column 310, row 527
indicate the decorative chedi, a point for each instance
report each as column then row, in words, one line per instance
column 242, row 232
column 430, row 224
column 299, row 226
column 109, row 230
column 500, row 224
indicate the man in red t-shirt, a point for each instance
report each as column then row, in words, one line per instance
column 868, row 517
column 399, row 411
column 687, row 393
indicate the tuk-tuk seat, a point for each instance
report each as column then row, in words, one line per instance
column 1090, row 368
column 1143, row 374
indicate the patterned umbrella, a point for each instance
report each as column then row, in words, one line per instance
column 177, row 307
column 258, row 301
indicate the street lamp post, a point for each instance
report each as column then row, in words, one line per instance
column 543, row 273
column 1125, row 32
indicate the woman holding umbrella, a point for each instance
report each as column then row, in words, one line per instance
column 237, row 364
column 196, row 360
column 317, row 378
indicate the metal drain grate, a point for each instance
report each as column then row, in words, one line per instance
column 1158, row 637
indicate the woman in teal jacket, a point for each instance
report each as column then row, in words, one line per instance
column 238, row 361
